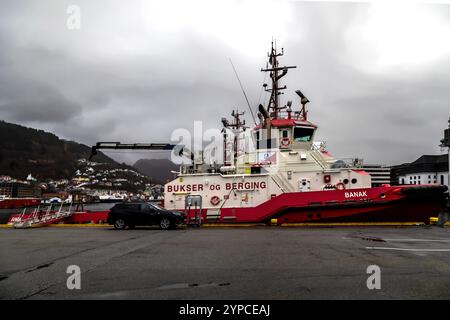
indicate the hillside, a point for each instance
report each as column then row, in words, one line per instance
column 25, row 150
column 158, row 169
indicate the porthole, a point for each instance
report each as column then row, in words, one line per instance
column 345, row 181
column 354, row 180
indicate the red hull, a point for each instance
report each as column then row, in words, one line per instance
column 381, row 204
column 19, row 203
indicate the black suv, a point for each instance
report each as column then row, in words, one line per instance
column 131, row 214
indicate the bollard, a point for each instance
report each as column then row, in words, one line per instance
column 442, row 218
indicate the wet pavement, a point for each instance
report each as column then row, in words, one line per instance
column 228, row 263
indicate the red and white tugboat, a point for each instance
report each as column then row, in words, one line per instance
column 286, row 176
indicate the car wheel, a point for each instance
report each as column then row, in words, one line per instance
column 119, row 224
column 165, row 224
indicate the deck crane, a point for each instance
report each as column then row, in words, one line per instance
column 178, row 149
column 137, row 146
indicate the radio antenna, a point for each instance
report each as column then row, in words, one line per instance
column 243, row 91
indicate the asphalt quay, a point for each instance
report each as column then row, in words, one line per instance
column 226, row 263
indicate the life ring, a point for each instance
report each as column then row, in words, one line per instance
column 340, row 186
column 215, row 200
column 285, row 142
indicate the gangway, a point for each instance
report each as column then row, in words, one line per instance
column 42, row 217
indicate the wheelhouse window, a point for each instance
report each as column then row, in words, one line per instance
column 303, row 134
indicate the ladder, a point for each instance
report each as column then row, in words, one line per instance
column 39, row 219
column 318, row 157
column 282, row 182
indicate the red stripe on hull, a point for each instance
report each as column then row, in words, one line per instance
column 397, row 211
column 380, row 204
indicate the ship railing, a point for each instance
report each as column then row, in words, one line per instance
column 295, row 115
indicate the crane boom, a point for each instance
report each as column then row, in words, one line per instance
column 132, row 146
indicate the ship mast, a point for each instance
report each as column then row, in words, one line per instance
column 276, row 73
column 237, row 125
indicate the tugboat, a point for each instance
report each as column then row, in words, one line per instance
column 288, row 176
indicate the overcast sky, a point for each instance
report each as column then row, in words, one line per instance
column 377, row 74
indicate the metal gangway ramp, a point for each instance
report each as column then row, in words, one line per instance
column 42, row 217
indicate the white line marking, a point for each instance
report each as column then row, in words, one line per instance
column 416, row 240
column 408, row 249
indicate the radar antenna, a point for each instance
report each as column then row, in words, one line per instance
column 276, row 73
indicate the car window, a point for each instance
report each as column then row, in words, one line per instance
column 157, row 207
column 147, row 208
column 131, row 206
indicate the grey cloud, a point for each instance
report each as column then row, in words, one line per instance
column 118, row 80
column 26, row 101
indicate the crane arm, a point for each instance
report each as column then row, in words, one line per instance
column 133, row 146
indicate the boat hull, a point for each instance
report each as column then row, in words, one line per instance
column 382, row 204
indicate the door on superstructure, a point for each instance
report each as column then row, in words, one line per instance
column 193, row 209
column 304, row 185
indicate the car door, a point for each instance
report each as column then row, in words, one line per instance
column 135, row 215
column 150, row 214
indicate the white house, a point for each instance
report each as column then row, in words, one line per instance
column 428, row 169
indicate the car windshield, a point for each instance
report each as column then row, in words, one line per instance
column 154, row 205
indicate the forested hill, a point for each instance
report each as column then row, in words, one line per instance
column 26, row 150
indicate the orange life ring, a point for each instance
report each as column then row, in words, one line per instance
column 215, row 200
column 340, row 186
column 285, row 142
